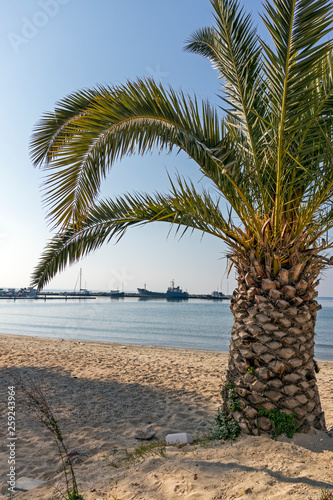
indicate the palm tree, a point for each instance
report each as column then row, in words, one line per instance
column 269, row 156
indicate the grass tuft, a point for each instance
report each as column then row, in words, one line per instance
column 151, row 449
column 38, row 404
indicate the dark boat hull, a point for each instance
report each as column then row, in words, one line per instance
column 151, row 295
column 116, row 294
column 169, row 295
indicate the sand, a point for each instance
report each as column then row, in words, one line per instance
column 104, row 393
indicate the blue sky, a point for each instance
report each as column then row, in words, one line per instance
column 50, row 48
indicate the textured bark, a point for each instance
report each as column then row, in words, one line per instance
column 271, row 360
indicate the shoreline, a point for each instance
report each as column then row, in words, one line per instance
column 103, row 393
column 106, row 343
column 124, row 344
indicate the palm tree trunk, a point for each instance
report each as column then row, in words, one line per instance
column 271, row 362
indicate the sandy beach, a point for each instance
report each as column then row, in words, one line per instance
column 102, row 394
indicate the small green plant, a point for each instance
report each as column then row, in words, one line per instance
column 112, row 462
column 144, row 450
column 204, row 441
column 73, row 496
column 326, row 495
column 115, row 497
column 229, row 396
column 37, row 402
column 153, row 449
column 251, row 369
column 282, row 423
column 226, row 426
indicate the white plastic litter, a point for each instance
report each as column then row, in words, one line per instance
column 180, row 438
column 27, row 484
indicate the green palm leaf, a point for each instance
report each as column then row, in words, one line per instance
column 183, row 208
column 297, row 27
column 234, row 51
column 82, row 142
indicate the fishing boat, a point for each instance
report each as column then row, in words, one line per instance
column 173, row 293
column 116, row 294
column 216, row 295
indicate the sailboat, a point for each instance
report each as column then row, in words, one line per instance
column 81, row 291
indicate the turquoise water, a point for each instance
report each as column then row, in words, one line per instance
column 194, row 324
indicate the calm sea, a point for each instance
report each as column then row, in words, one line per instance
column 194, row 324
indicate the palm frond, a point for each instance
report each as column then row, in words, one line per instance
column 234, row 51
column 297, row 28
column 53, row 130
column 135, row 118
column 78, row 147
column 183, row 208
